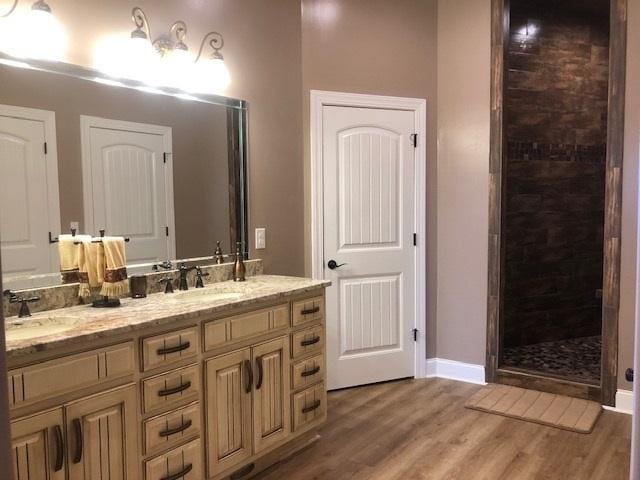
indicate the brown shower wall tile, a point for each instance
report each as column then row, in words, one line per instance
column 553, row 206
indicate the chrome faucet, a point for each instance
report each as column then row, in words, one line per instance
column 182, row 282
column 24, row 302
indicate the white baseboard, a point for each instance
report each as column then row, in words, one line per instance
column 624, row 402
column 463, row 372
column 471, row 373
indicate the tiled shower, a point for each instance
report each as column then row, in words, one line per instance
column 555, row 126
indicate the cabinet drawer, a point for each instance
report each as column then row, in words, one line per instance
column 165, row 431
column 307, row 372
column 308, row 310
column 247, row 325
column 175, row 387
column 169, row 348
column 183, row 463
column 55, row 377
column 307, row 341
column 309, row 406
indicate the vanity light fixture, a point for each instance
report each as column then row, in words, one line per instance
column 211, row 73
column 36, row 33
column 166, row 60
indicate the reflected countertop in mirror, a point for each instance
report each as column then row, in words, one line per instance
column 165, row 169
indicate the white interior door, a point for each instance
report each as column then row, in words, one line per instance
column 29, row 206
column 129, row 187
column 368, row 178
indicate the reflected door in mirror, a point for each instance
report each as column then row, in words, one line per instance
column 128, row 186
column 27, row 208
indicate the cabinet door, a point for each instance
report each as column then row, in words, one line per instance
column 271, row 414
column 229, row 386
column 102, row 433
column 38, row 447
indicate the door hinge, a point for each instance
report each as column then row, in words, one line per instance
column 164, row 157
column 414, row 140
column 166, row 231
column 45, row 148
column 415, row 239
column 415, row 334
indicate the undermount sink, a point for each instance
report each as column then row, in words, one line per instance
column 38, row 327
column 204, row 295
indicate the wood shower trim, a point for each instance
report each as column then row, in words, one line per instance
column 613, row 213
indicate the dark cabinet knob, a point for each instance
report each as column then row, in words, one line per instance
column 332, row 264
column 628, row 374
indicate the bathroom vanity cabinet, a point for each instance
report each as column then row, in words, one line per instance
column 221, row 397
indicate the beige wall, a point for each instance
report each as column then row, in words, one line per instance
column 375, row 47
column 464, row 46
column 262, row 52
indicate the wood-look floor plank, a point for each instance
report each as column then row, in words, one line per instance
column 419, row 429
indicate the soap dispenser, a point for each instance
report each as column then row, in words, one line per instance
column 239, row 268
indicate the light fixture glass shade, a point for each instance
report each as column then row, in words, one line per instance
column 34, row 34
column 123, row 57
column 210, row 76
column 176, row 68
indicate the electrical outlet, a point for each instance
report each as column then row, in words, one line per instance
column 74, row 226
column 261, row 238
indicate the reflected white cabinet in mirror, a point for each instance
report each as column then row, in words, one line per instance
column 165, row 169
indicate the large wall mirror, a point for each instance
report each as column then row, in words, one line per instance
column 164, row 169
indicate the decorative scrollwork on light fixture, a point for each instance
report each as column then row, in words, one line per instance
column 139, row 18
column 11, row 10
column 216, row 41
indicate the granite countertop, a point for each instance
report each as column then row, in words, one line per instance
column 89, row 323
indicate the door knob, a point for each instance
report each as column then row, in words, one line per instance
column 628, row 375
column 332, row 264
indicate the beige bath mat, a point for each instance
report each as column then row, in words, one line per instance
column 545, row 408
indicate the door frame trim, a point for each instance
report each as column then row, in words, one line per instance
column 48, row 119
column 86, row 124
column 319, row 99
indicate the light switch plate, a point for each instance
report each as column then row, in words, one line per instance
column 261, row 238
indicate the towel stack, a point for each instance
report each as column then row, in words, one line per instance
column 103, row 264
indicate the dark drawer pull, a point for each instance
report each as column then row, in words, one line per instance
column 313, row 371
column 242, row 472
column 312, row 407
column 177, row 348
column 313, row 341
column 172, row 391
column 59, row 463
column 309, row 311
column 172, row 431
column 249, row 376
column 178, row 475
column 260, row 373
column 77, row 428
